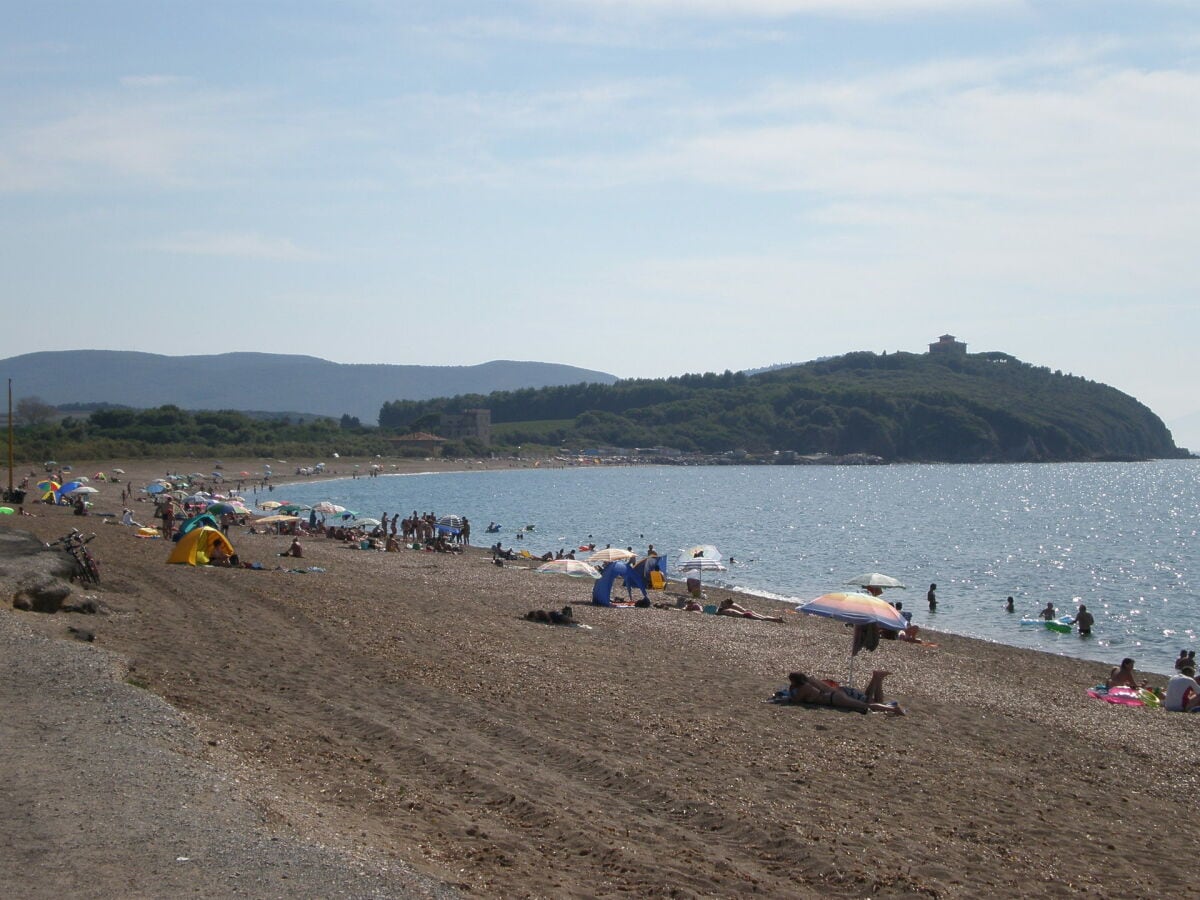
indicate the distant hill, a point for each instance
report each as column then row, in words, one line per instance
column 264, row 381
column 951, row 407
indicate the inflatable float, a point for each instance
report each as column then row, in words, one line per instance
column 1062, row 624
column 1125, row 696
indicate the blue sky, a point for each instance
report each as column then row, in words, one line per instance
column 646, row 188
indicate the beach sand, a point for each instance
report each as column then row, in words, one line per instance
column 398, row 710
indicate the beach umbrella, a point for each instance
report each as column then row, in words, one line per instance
column 85, row 489
column 273, row 520
column 610, row 554
column 83, row 478
column 855, row 609
column 328, row 508
column 290, row 509
column 270, row 504
column 119, row 471
column 198, row 497
column 155, row 488
column 576, row 568
column 874, row 579
column 366, row 522
column 694, row 566
column 226, row 507
column 700, row 551
column 453, row 525
column 47, row 485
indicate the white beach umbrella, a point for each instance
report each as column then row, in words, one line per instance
column 574, row 567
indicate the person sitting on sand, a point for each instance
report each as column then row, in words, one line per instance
column 1122, row 676
column 805, row 690
column 729, row 608
column 1182, row 661
column 294, row 550
column 218, row 556
column 1183, row 692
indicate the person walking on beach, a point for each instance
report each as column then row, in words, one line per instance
column 1084, row 620
column 932, row 597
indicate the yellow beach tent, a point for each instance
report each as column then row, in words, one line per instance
column 196, row 547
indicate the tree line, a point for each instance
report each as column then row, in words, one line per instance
column 900, row 406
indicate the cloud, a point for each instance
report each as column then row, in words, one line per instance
column 152, row 132
column 776, row 9
column 233, row 244
column 153, row 81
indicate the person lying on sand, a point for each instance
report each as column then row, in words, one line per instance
column 805, row 690
column 552, row 617
column 729, row 608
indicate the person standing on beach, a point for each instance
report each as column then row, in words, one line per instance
column 932, row 597
column 168, row 519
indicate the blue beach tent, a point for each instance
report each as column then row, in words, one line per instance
column 634, row 576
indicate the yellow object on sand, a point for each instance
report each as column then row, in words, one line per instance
column 196, row 547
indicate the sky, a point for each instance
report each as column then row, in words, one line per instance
column 643, row 187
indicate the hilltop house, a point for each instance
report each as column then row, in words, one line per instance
column 947, row 344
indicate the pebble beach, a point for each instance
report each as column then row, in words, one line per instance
column 394, row 726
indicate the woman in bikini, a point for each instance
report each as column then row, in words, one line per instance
column 802, row 689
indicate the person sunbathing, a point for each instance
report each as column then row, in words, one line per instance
column 1122, row 676
column 729, row 608
column 805, row 690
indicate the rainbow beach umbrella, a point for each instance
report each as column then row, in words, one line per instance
column 855, row 609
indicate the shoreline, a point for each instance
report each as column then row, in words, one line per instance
column 398, row 707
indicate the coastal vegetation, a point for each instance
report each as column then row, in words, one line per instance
column 893, row 407
column 952, row 407
column 169, row 431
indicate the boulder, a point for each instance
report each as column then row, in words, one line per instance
column 42, row 594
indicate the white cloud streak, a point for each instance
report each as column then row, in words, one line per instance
column 233, row 245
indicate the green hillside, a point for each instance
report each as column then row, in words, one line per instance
column 902, row 406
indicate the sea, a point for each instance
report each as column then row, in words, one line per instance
column 1118, row 537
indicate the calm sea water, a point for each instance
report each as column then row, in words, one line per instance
column 1119, row 537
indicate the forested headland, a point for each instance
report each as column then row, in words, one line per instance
column 898, row 406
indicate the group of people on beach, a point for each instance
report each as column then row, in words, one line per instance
column 1182, row 693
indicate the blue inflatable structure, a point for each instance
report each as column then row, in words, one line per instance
column 634, row 576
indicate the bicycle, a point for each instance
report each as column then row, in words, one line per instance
column 87, row 567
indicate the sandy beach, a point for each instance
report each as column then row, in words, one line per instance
column 401, row 729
